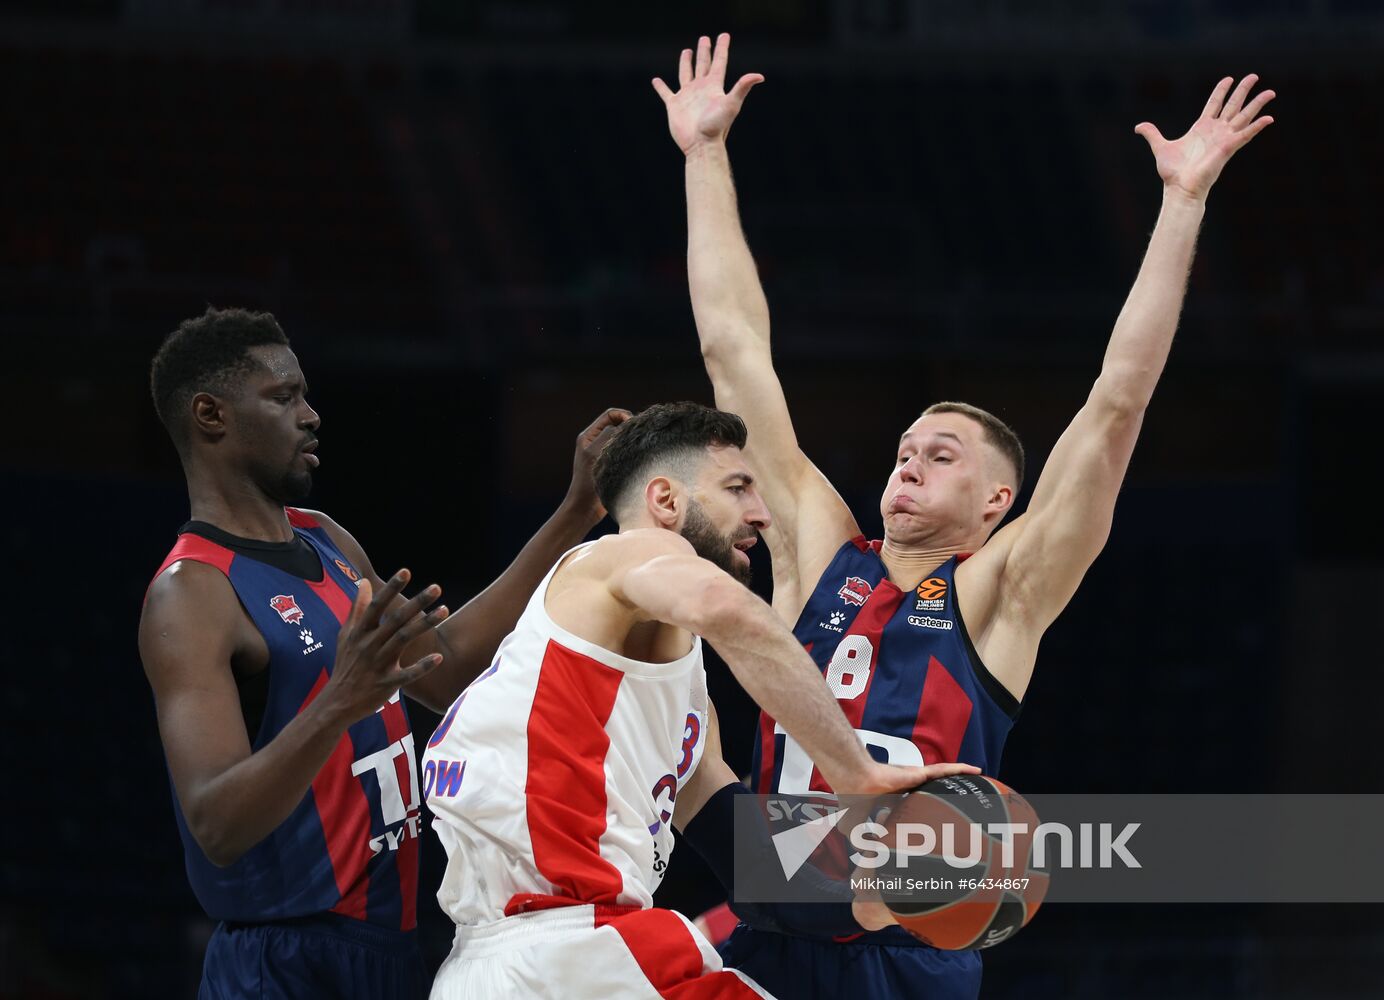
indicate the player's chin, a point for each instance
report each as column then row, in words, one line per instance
column 295, row 487
column 740, row 566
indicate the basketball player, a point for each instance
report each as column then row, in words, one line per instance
column 274, row 652
column 928, row 637
column 554, row 777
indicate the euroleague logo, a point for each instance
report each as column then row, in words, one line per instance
column 855, row 591
column 932, row 594
column 345, row 568
column 287, row 608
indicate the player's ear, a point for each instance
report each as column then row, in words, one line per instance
column 662, row 500
column 208, row 414
column 1001, row 499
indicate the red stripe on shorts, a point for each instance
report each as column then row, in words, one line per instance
column 667, row 954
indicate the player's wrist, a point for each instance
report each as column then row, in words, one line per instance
column 579, row 512
column 1177, row 197
column 706, row 148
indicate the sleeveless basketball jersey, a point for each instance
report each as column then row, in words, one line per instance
column 902, row 668
column 552, row 777
column 351, row 845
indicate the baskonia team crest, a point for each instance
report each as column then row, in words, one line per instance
column 287, row 608
column 855, row 591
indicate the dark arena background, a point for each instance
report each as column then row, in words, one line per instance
column 468, row 216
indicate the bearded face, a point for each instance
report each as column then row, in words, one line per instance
column 714, row 546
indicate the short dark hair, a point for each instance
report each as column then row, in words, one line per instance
column 208, row 353
column 671, row 435
column 998, row 434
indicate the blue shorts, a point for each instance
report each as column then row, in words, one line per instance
column 323, row 956
column 825, row 970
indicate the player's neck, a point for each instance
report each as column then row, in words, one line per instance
column 909, row 565
column 238, row 507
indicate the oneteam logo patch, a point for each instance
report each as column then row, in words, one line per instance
column 925, row 621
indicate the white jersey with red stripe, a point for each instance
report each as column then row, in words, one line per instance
column 552, row 777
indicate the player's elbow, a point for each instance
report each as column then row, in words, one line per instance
column 720, row 607
column 214, row 836
column 727, row 346
column 1123, row 394
column 215, row 845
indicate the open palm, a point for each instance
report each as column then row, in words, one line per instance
column 1194, row 161
column 701, row 110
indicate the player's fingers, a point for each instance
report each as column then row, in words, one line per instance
column 1238, row 95
column 407, row 675
column 1248, row 133
column 415, row 627
column 1151, row 135
column 703, row 56
column 359, row 605
column 1253, row 108
column 935, row 771
column 609, row 418
column 685, row 68
column 1213, row 103
column 662, row 90
column 406, row 612
column 720, row 55
column 744, row 85
column 384, row 598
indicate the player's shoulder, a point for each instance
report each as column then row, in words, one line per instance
column 611, row 556
column 642, row 544
column 189, row 590
column 310, row 520
column 302, row 517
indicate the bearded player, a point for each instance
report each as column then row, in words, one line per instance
column 927, row 638
column 555, row 776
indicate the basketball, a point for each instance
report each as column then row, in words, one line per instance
column 950, row 881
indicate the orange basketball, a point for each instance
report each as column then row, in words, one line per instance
column 981, row 903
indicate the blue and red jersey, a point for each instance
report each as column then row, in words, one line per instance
column 902, row 668
column 350, row 847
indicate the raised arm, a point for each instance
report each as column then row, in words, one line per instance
column 811, row 520
column 467, row 640
column 1068, row 519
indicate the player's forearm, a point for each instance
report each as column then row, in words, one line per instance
column 727, row 298
column 1143, row 333
column 781, row 678
column 238, row 808
column 469, row 638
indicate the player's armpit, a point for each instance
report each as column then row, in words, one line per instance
column 1068, row 520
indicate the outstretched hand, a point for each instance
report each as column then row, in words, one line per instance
column 701, row 111
column 1193, row 162
column 367, row 670
column 581, row 494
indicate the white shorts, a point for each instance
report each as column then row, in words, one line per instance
column 571, row 952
